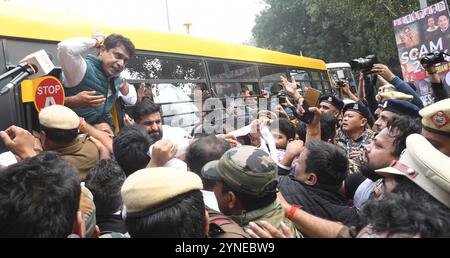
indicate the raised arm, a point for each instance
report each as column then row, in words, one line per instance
column 72, row 62
column 439, row 90
column 399, row 84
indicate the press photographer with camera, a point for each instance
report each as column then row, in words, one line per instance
column 343, row 86
column 429, row 62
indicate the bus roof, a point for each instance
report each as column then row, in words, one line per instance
column 337, row 65
column 23, row 21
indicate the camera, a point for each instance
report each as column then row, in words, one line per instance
column 282, row 96
column 364, row 64
column 432, row 58
column 340, row 84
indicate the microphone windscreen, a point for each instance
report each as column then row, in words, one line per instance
column 41, row 63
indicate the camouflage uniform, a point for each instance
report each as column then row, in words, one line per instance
column 273, row 213
column 345, row 142
column 251, row 171
column 221, row 226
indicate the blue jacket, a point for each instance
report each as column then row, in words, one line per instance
column 405, row 88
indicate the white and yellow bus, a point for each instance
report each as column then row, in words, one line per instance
column 162, row 61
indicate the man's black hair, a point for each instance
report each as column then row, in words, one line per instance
column 412, row 213
column 400, row 127
column 285, row 127
column 251, row 202
column 328, row 125
column 60, row 136
column 328, row 162
column 202, row 151
column 144, row 108
column 104, row 181
column 39, row 197
column 117, row 40
column 130, row 147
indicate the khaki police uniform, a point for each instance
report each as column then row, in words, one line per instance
column 82, row 153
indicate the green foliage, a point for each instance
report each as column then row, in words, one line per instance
column 333, row 30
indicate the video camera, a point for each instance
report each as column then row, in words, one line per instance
column 364, row 64
column 430, row 59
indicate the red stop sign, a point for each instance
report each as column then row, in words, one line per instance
column 48, row 92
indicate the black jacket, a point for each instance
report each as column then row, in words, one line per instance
column 319, row 202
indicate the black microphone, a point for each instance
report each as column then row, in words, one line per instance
column 18, row 68
column 30, row 69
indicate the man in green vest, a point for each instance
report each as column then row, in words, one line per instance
column 92, row 84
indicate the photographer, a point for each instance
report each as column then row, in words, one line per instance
column 400, row 85
column 436, row 84
column 345, row 87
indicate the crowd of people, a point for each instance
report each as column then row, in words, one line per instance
column 374, row 164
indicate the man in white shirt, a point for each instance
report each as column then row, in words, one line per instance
column 147, row 115
column 92, row 84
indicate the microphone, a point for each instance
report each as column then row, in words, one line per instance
column 40, row 61
column 29, row 70
column 32, row 66
column 18, row 68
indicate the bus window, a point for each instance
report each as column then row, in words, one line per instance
column 270, row 77
column 300, row 75
column 173, row 81
column 153, row 67
column 177, row 106
column 220, row 71
column 227, row 89
column 327, row 88
column 316, row 76
column 305, row 84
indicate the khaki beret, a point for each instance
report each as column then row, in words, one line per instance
column 59, row 117
column 436, row 117
column 149, row 187
column 425, row 166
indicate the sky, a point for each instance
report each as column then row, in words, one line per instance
column 224, row 20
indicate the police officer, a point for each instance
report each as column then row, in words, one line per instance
column 436, row 125
column 394, row 107
column 330, row 105
column 354, row 133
